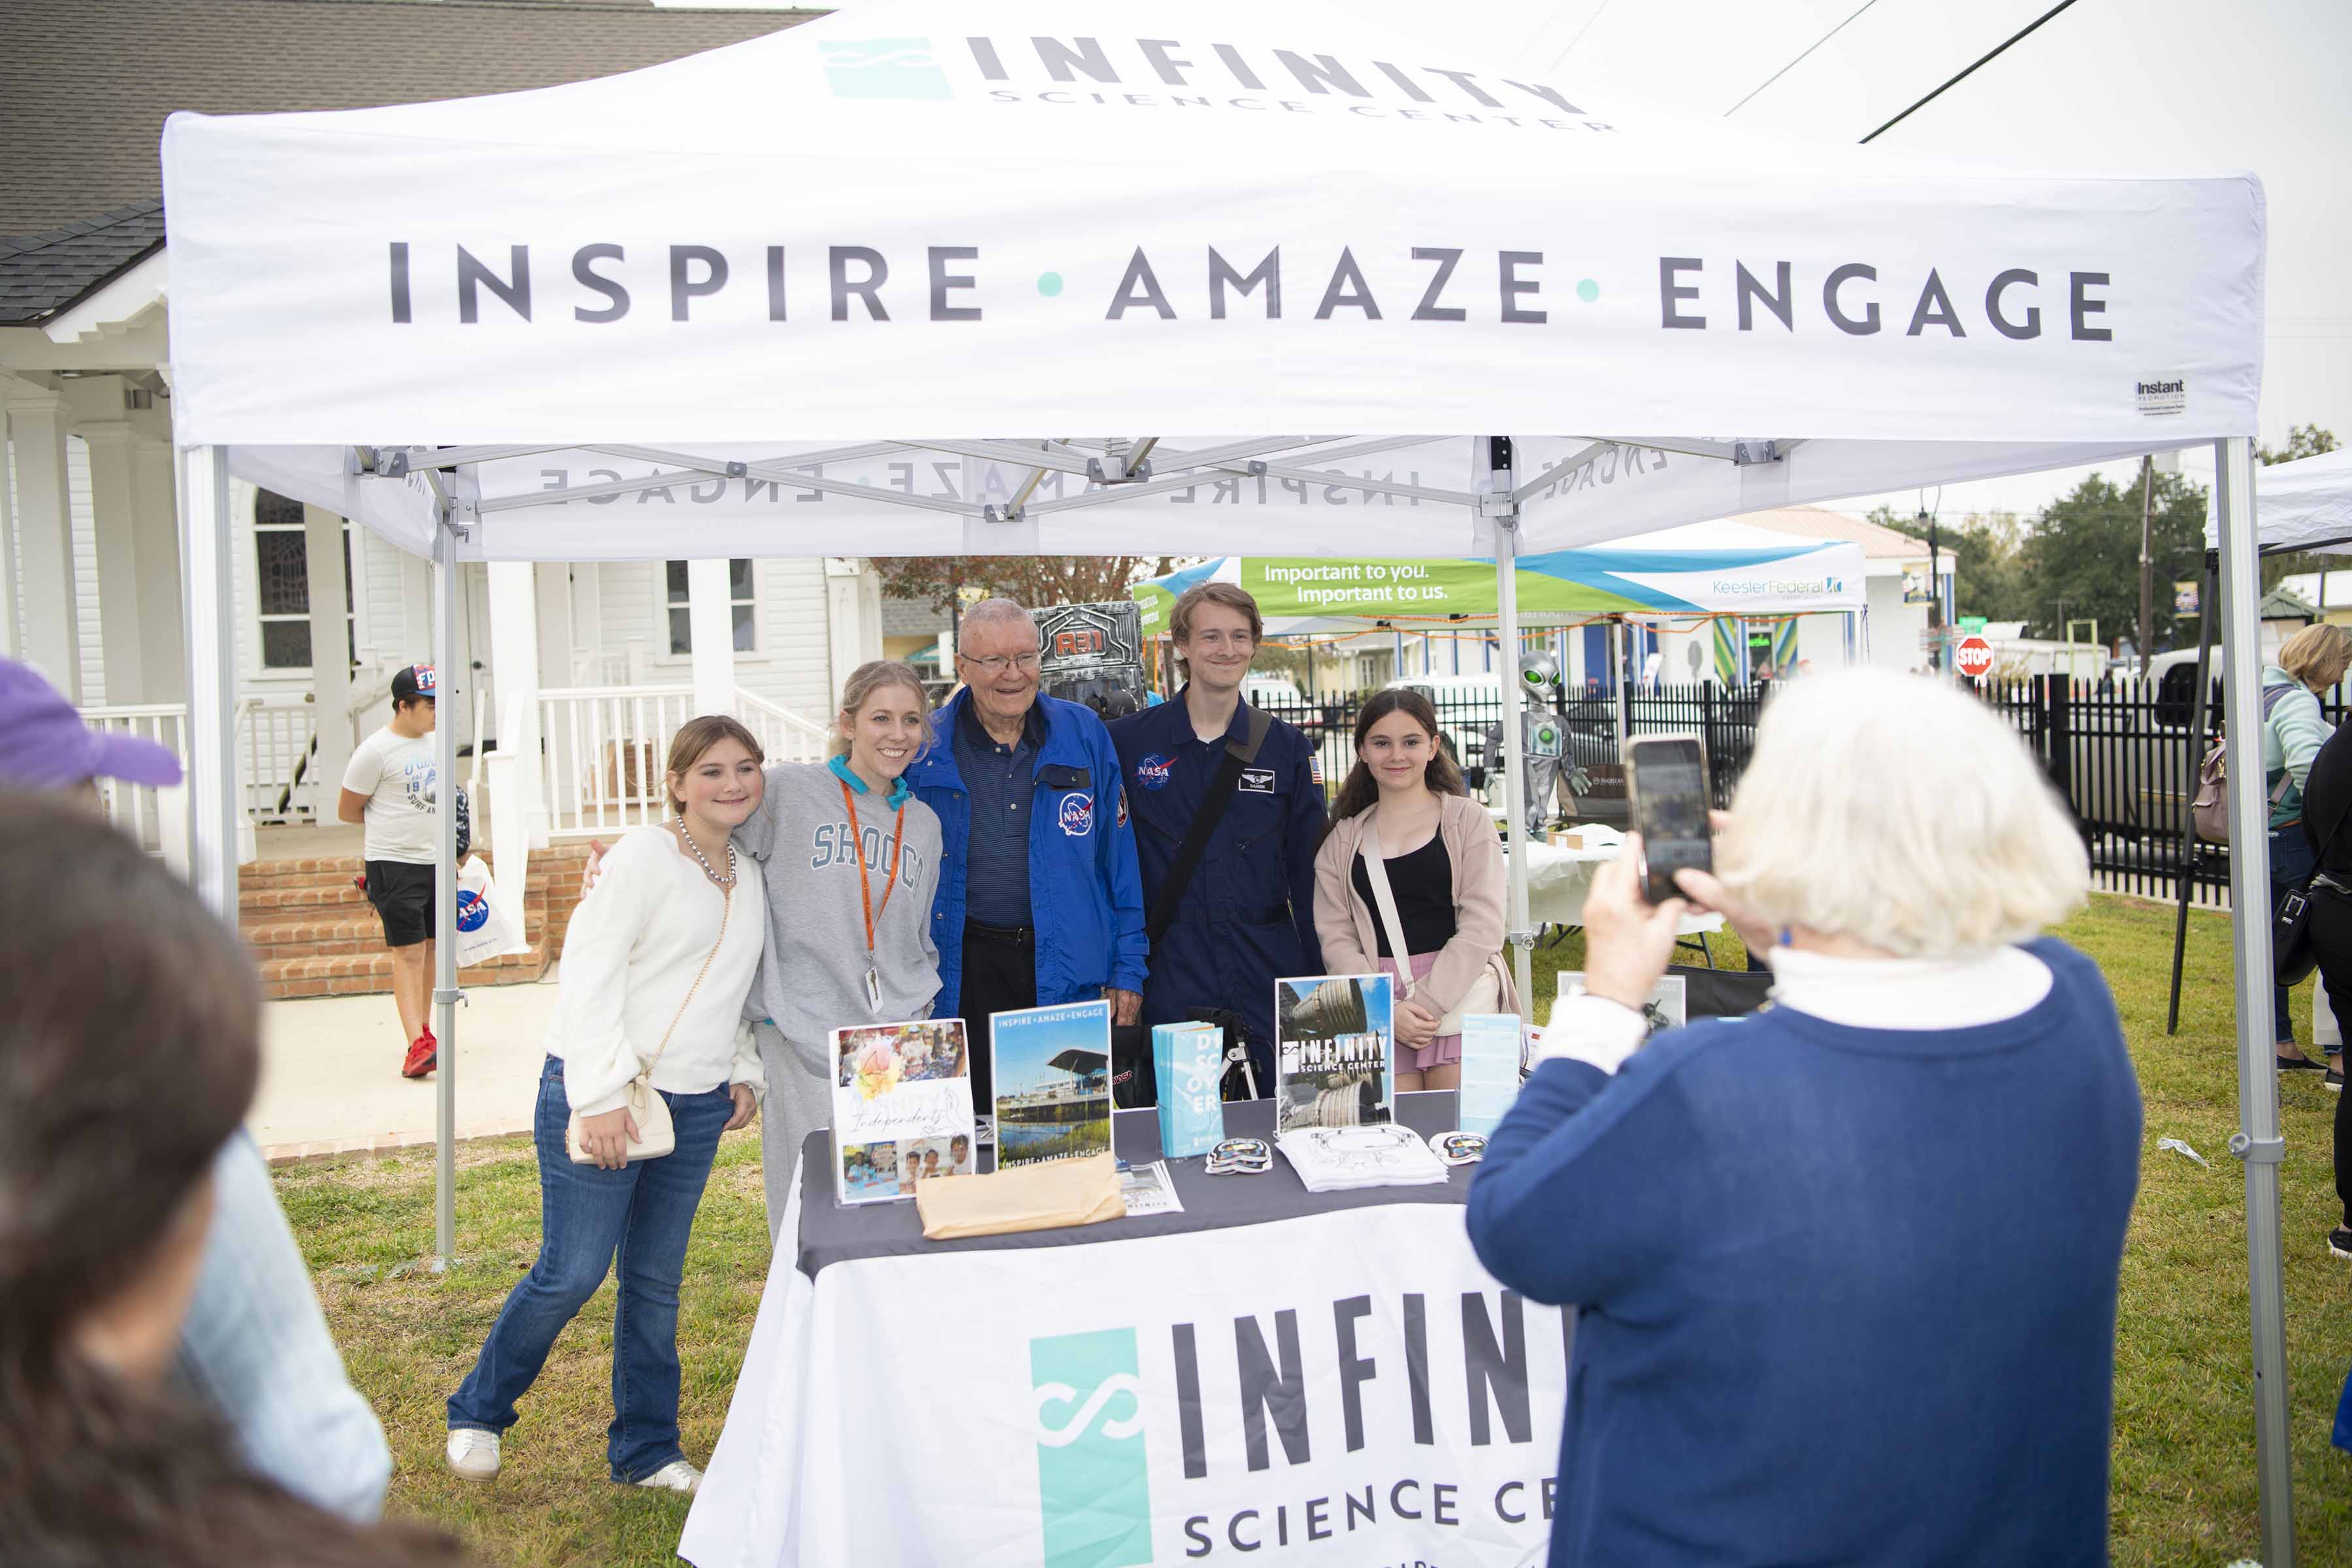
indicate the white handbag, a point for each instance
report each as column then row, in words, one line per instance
column 656, row 1134
column 1485, row 993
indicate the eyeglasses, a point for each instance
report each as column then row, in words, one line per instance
column 995, row 664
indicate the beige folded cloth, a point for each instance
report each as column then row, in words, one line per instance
column 1044, row 1196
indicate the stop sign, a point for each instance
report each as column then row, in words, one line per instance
column 1973, row 658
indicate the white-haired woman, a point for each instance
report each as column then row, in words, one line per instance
column 852, row 859
column 1845, row 1268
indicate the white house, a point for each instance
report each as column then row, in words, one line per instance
column 595, row 659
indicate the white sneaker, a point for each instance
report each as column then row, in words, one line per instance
column 677, row 1476
column 474, row 1455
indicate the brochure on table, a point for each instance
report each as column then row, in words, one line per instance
column 1052, row 1070
column 901, row 1108
column 1343, row 1158
column 1187, row 1062
column 1490, row 1069
column 1332, row 1047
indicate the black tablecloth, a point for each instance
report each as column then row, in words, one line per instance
column 830, row 1232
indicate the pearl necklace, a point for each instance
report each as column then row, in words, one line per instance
column 726, row 881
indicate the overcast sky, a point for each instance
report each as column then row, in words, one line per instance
column 2108, row 85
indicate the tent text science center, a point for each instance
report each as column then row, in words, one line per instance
column 1049, row 280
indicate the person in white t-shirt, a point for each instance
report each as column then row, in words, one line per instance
column 391, row 786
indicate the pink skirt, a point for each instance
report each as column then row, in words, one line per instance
column 1440, row 1050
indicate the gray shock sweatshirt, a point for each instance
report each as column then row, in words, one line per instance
column 811, row 977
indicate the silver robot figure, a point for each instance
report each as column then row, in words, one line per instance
column 1542, row 741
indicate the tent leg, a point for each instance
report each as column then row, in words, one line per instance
column 2258, row 1143
column 1518, row 934
column 2186, row 873
column 210, row 613
column 444, row 894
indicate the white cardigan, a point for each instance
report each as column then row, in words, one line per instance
column 636, row 945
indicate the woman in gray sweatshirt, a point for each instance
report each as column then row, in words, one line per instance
column 851, row 860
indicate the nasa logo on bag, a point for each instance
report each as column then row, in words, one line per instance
column 1152, row 771
column 473, row 909
column 1077, row 815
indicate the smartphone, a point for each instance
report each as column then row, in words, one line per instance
column 1666, row 788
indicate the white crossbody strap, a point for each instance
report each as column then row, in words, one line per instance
column 1376, row 871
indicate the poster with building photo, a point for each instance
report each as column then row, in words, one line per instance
column 1333, row 1035
column 1052, row 1068
column 901, row 1108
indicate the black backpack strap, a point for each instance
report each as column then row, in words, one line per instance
column 1223, row 785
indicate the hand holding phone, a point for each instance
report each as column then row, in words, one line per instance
column 1667, row 790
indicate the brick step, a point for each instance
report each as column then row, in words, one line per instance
column 338, row 933
column 301, row 873
column 360, row 975
column 333, row 890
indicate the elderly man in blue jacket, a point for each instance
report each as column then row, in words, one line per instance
column 1039, row 900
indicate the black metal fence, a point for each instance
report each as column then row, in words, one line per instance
column 2125, row 759
column 2121, row 754
column 1468, row 713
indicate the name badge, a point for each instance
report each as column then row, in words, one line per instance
column 1257, row 781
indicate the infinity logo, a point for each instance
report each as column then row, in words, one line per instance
column 1107, row 1390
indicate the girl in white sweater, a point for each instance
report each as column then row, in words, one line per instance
column 655, row 967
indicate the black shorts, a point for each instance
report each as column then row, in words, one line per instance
column 403, row 896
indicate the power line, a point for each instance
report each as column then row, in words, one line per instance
column 1931, row 98
column 1793, row 64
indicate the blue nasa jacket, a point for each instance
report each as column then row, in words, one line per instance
column 1085, row 897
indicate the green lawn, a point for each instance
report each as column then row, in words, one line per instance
column 2184, row 1484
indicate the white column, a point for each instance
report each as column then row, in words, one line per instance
column 853, row 606
column 155, row 536
column 416, row 642
column 518, row 807
column 50, row 635
column 551, row 584
column 114, row 526
column 712, row 627
column 211, row 686
column 330, row 663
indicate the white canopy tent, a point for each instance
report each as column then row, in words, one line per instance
column 844, row 276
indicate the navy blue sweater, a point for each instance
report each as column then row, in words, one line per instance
column 1847, row 1296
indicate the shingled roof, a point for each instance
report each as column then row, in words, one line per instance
column 39, row 273
column 86, row 85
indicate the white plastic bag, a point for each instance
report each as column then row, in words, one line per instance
column 485, row 929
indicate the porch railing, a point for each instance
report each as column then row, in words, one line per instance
column 607, row 747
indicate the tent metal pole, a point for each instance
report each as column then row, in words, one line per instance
column 2257, row 1143
column 210, row 611
column 444, row 886
column 1499, row 505
column 2195, row 745
column 1617, row 678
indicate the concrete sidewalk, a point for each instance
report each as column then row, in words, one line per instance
column 330, row 1079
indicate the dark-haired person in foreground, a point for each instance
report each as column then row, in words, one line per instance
column 129, row 1045
column 1845, row 1269
column 255, row 1348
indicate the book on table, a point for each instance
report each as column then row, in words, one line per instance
column 1334, row 1050
column 1188, row 1064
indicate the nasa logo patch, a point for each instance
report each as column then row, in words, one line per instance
column 1152, row 769
column 1077, row 815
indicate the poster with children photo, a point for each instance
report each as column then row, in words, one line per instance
column 898, row 1086
column 920, row 1158
column 1334, row 1036
column 869, row 1173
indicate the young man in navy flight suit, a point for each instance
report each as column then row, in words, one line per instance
column 1247, row 917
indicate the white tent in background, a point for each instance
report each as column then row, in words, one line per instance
column 853, row 287
column 2304, row 505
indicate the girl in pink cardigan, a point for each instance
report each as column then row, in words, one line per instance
column 1404, row 803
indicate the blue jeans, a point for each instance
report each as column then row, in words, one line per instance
column 644, row 1211
column 255, row 1348
column 2291, row 864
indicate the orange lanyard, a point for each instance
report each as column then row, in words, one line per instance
column 890, row 884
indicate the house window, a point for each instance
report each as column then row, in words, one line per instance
column 741, row 607
column 281, row 564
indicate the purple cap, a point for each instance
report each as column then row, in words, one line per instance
column 44, row 744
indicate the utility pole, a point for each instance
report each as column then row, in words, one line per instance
column 1934, row 595
column 2147, row 563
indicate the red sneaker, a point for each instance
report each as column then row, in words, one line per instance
column 423, row 1054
